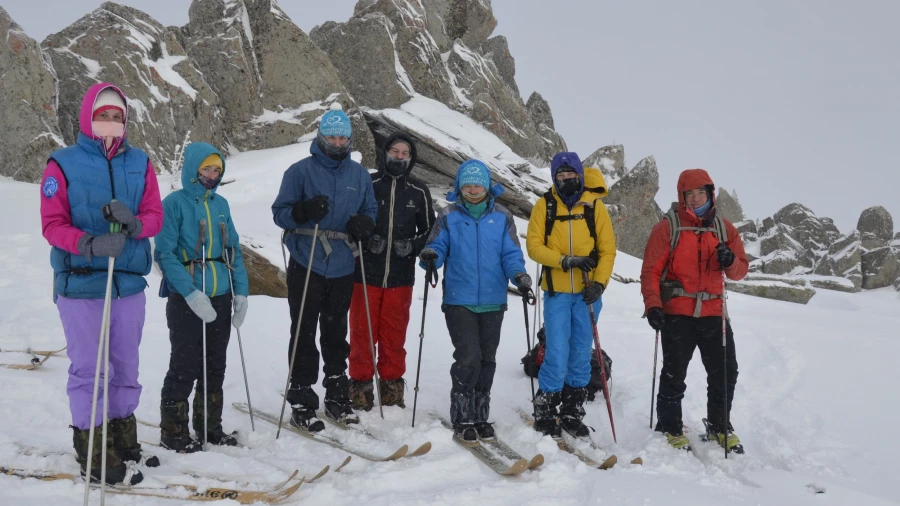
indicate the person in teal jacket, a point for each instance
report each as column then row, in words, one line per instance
column 196, row 218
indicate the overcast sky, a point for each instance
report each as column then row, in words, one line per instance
column 782, row 100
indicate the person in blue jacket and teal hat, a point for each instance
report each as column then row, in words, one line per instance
column 198, row 237
column 326, row 197
column 474, row 239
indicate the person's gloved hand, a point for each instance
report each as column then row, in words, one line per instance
column 592, row 292
column 428, row 256
column 117, row 212
column 240, row 310
column 377, row 244
column 656, row 318
column 725, row 255
column 583, row 263
column 106, row 245
column 403, row 248
column 313, row 209
column 360, row 227
column 201, row 306
column 523, row 281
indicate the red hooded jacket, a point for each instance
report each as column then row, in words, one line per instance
column 694, row 262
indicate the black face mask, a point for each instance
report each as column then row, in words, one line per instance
column 569, row 187
column 336, row 153
column 394, row 167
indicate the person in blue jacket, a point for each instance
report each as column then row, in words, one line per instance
column 332, row 191
column 194, row 210
column 475, row 240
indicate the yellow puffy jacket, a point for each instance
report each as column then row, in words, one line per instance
column 551, row 254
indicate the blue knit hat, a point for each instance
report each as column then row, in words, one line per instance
column 473, row 172
column 336, row 123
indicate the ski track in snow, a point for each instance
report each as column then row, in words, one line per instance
column 811, row 401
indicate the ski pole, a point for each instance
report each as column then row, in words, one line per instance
column 603, row 375
column 653, row 390
column 102, row 354
column 429, row 274
column 725, row 359
column 362, row 266
column 205, row 377
column 240, row 345
column 287, row 383
column 525, row 302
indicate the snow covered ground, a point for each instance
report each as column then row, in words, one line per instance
column 816, row 405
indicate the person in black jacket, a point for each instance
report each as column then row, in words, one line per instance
column 405, row 218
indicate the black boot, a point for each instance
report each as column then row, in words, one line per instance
column 482, row 405
column 116, row 472
column 462, row 416
column 571, row 413
column 545, row 413
column 337, row 400
column 174, row 434
column 466, row 432
column 125, row 442
column 304, row 403
column 216, row 435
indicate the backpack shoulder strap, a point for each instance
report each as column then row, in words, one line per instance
column 674, row 235
column 551, row 214
column 589, row 216
column 721, row 231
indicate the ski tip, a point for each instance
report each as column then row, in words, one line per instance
column 517, row 467
column 344, row 463
column 398, row 454
column 536, row 461
column 422, row 450
column 637, row 461
column 609, row 462
column 319, row 475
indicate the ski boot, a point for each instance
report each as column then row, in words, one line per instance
column 116, row 471
column 305, row 419
column 125, row 442
column 678, row 441
column 571, row 413
column 545, row 413
column 340, row 412
column 174, row 434
column 732, row 443
column 362, row 396
column 216, row 435
column 392, row 392
column 466, row 432
column 337, row 400
column 482, row 400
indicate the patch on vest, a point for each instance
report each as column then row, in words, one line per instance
column 51, row 186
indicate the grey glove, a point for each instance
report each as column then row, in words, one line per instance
column 201, row 306
column 523, row 281
column 377, row 244
column 240, row 310
column 117, row 212
column 106, row 245
column 403, row 248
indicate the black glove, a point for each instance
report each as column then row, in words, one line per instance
column 377, row 244
column 313, row 209
column 523, row 281
column 592, row 292
column 656, row 318
column 403, row 248
column 583, row 263
column 360, row 227
column 117, row 212
column 428, row 256
column 106, row 245
column 725, row 255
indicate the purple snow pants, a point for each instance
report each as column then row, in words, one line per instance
column 81, row 319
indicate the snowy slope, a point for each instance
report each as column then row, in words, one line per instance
column 814, row 400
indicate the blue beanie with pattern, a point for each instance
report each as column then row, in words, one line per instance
column 336, row 123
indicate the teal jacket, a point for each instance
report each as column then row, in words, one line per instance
column 178, row 245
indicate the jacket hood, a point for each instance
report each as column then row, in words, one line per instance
column 570, row 159
column 86, row 116
column 692, row 179
column 382, row 153
column 194, row 155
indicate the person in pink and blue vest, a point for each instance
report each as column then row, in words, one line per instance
column 99, row 180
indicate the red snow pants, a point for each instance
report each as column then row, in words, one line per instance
column 389, row 308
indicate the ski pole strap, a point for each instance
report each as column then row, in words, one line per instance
column 431, row 275
column 324, row 236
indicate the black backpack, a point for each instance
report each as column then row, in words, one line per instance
column 532, row 361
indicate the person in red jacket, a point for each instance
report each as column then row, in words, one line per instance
column 682, row 288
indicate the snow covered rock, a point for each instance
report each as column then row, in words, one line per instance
column 542, row 117
column 610, row 160
column 170, row 102
column 496, row 49
column 27, row 104
column 728, row 207
column 843, row 259
column 781, row 253
column 875, row 227
column 774, row 287
column 636, row 192
column 273, row 81
column 880, row 267
column 814, row 233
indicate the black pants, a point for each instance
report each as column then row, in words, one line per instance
column 327, row 305
column 679, row 338
column 475, row 339
column 186, row 336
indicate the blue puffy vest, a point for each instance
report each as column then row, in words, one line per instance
column 90, row 179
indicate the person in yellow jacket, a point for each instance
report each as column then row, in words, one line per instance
column 580, row 240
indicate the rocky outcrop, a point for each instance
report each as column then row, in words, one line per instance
column 880, row 267
column 540, row 114
column 773, row 287
column 728, row 207
column 273, row 82
column 496, row 49
column 843, row 260
column 611, row 161
column 636, row 192
column 27, row 104
column 876, row 227
column 170, row 102
column 264, row 278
